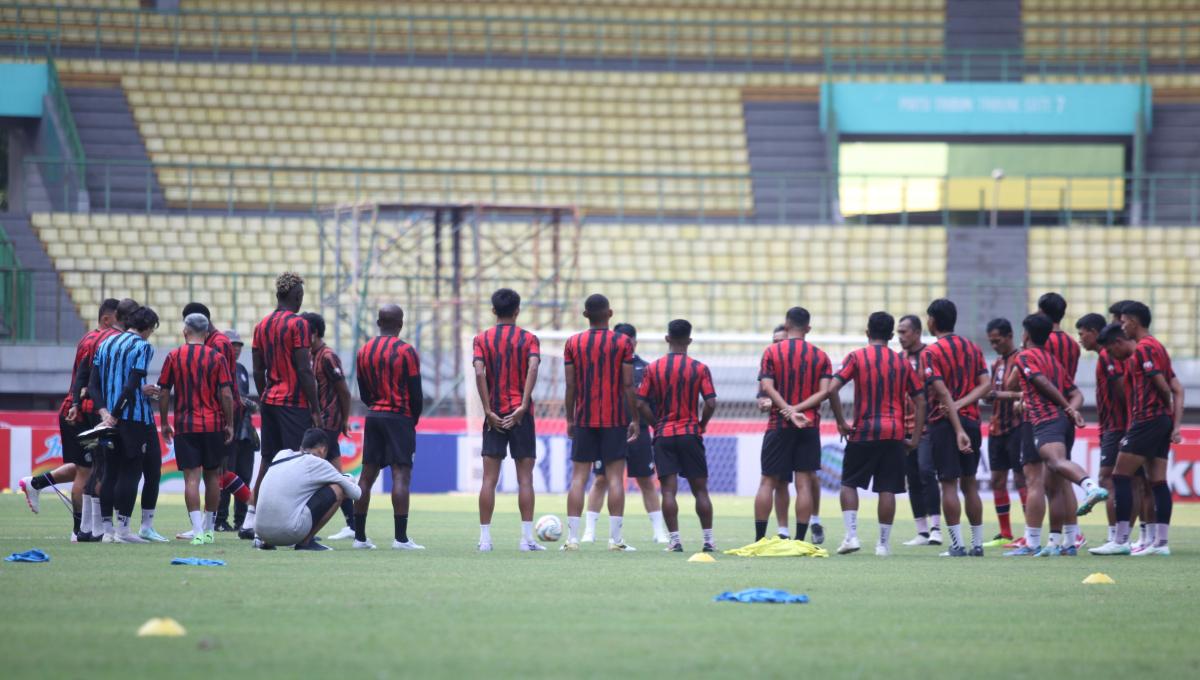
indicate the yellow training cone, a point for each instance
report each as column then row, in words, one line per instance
column 701, row 557
column 164, row 627
column 1098, row 578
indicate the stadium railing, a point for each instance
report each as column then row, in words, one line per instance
column 16, row 295
column 1131, row 63
column 1093, row 199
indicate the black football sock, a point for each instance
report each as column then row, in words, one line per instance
column 801, row 531
column 77, row 517
column 760, row 529
column 401, row 527
column 348, row 512
column 360, row 526
column 42, row 481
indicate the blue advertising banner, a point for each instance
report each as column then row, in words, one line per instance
column 984, row 108
column 24, row 88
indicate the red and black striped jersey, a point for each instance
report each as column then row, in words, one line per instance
column 1113, row 413
column 597, row 357
column 1149, row 359
column 883, row 382
column 85, row 353
column 278, row 336
column 958, row 363
column 384, row 366
column 910, row 406
column 218, row 341
column 1065, row 350
column 327, row 368
column 673, row 387
column 195, row 375
column 797, row 368
column 1035, row 361
column 505, row 351
column 1005, row 418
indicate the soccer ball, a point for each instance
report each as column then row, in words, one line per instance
column 548, row 528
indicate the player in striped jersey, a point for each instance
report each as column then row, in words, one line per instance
column 783, row 498
column 639, row 463
column 955, row 372
column 602, row 415
column 199, row 377
column 333, row 395
column 883, row 381
column 118, row 385
column 389, row 383
column 506, row 360
column 1155, row 415
column 1004, row 431
column 1065, row 350
column 923, row 493
column 284, row 379
column 668, row 396
column 791, row 372
column 77, row 414
column 1111, row 408
column 1051, row 400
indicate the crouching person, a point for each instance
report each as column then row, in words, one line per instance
column 300, row 493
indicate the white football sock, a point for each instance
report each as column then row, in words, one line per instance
column 955, row 535
column 210, row 521
column 1087, row 484
column 122, row 525
column 85, row 517
column 527, row 532
column 572, row 529
column 656, row 520
column 147, row 519
column 1153, row 527
column 1122, row 535
column 1033, row 537
column 885, row 534
column 1161, row 534
column 197, row 518
column 1055, row 538
column 935, row 522
column 590, row 522
column 674, row 536
column 707, row 533
column 106, row 526
column 98, row 524
column 485, row 533
column 1112, row 532
column 1070, row 531
column 783, row 531
column 976, row 536
column 922, row 525
column 850, row 521
column 813, row 519
column 614, row 528
column 248, row 523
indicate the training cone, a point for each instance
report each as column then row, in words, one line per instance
column 701, row 557
column 1098, row 578
column 164, row 627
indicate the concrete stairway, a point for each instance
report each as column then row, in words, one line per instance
column 987, row 274
column 1174, row 147
column 109, row 132
column 784, row 140
column 983, row 24
column 55, row 318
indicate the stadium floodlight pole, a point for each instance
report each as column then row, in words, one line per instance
column 997, row 176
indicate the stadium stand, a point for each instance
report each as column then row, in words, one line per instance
column 712, row 273
column 1159, row 265
column 675, row 29
column 1167, row 29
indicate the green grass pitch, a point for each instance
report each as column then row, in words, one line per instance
column 451, row 612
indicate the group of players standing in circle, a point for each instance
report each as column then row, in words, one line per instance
column 916, row 420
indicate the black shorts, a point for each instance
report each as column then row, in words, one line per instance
column 639, row 457
column 521, row 441
column 283, row 427
column 948, row 461
column 1110, row 444
column 200, row 449
column 1004, row 450
column 320, row 503
column 1149, row 438
column 791, row 450
column 1052, row 432
column 681, row 455
column 136, row 440
column 1069, row 438
column 881, row 461
column 72, row 450
column 333, row 450
column 592, row 444
column 389, row 439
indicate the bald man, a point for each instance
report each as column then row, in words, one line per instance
column 389, row 383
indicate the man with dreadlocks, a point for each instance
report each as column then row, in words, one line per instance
column 284, row 379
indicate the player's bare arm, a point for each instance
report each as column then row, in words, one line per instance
column 531, row 375
column 259, row 369
column 918, row 424
column 226, row 396
column 494, row 421
column 631, row 402
column 947, row 403
column 342, row 390
column 164, row 409
column 1176, row 410
column 706, row 413
column 302, row 360
column 982, row 389
column 835, row 403
column 569, row 401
